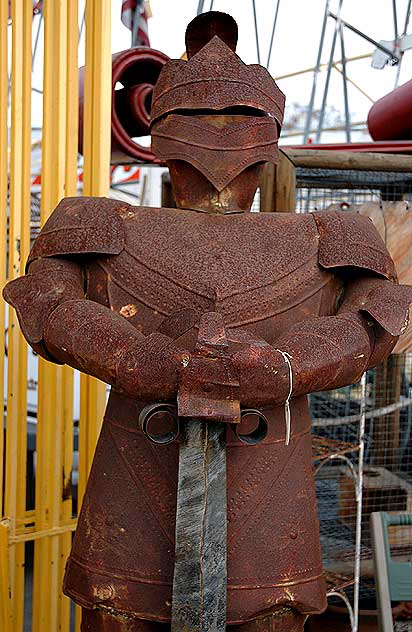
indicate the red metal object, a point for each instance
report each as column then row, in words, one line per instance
column 390, row 118
column 134, row 74
column 390, row 147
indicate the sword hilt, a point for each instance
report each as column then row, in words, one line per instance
column 148, row 413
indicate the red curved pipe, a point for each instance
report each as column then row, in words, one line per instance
column 390, row 118
column 134, row 73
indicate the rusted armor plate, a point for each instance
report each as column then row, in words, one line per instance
column 234, row 84
column 123, row 551
column 221, row 154
column 350, row 239
column 82, row 226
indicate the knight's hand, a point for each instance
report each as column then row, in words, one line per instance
column 152, row 370
column 262, row 370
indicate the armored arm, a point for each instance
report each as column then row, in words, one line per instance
column 63, row 326
column 332, row 351
column 325, row 352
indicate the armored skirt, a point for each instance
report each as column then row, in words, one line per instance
column 123, row 552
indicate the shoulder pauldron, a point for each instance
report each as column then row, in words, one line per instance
column 82, row 225
column 349, row 239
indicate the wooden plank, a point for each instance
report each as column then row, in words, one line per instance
column 267, row 188
column 285, row 185
column 278, row 186
column 393, row 220
column 322, row 159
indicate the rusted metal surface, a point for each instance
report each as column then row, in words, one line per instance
column 134, row 74
column 220, row 154
column 292, row 292
column 215, row 79
column 351, row 240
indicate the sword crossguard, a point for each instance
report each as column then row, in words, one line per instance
column 149, row 412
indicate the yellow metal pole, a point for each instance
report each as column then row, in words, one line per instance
column 72, row 122
column 96, row 143
column 5, row 601
column 51, row 610
column 97, row 117
column 6, row 621
column 16, row 432
column 3, row 201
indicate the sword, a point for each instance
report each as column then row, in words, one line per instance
column 206, row 403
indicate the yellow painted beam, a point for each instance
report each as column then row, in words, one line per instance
column 96, row 144
column 16, row 432
column 6, row 622
column 51, row 610
column 3, row 200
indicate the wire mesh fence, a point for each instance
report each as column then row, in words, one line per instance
column 387, row 463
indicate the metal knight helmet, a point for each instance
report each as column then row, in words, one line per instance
column 214, row 117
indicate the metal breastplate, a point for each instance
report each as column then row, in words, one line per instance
column 259, row 271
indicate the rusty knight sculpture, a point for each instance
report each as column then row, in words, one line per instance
column 199, row 317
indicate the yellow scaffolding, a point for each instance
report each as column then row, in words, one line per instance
column 50, row 524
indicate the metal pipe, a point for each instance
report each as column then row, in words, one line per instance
column 359, row 492
column 296, row 73
column 256, row 31
column 36, row 41
column 394, row 58
column 401, row 54
column 315, row 76
column 395, row 21
column 345, row 86
column 325, row 92
column 273, row 34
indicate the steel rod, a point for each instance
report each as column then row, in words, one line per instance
column 359, row 491
column 402, row 52
column 308, row 123
column 394, row 58
column 328, row 73
column 273, row 34
column 256, row 31
column 395, row 21
column 345, row 86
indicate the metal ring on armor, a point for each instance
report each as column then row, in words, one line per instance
column 150, row 411
column 257, row 434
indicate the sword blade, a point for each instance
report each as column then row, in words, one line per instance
column 200, row 575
